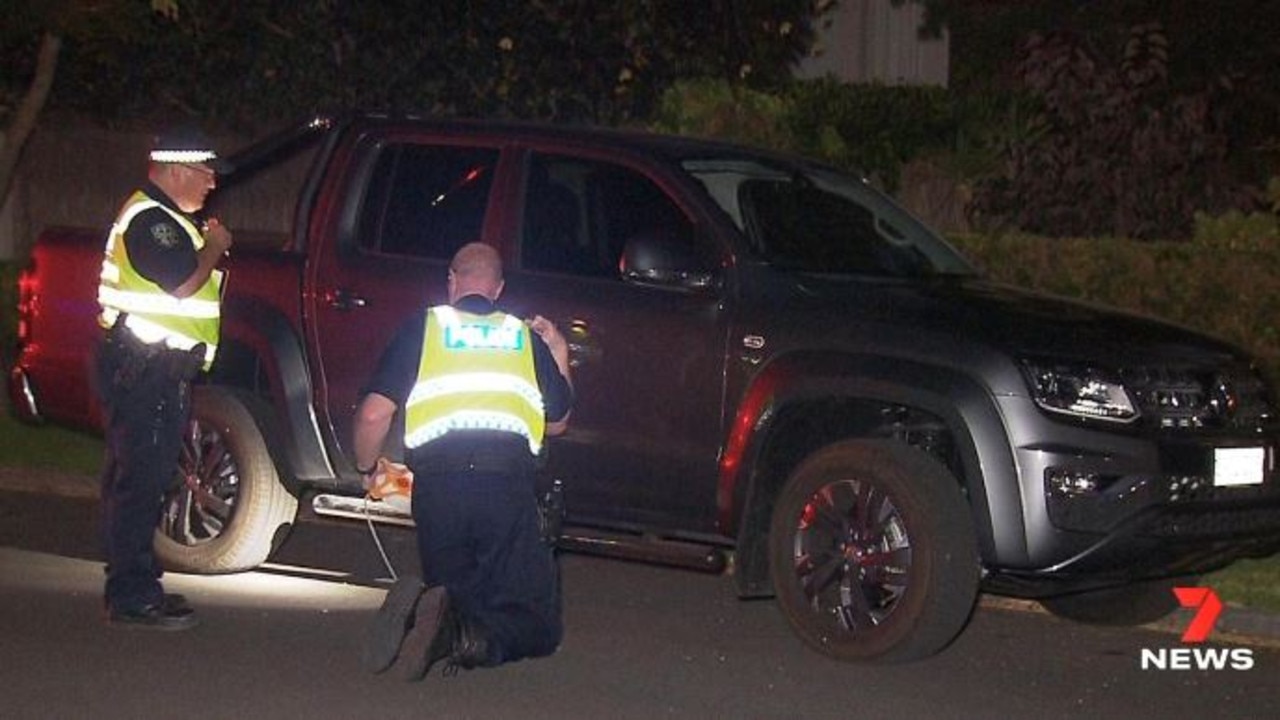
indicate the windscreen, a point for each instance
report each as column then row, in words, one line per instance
column 817, row 220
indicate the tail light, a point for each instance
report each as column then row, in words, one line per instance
column 26, row 302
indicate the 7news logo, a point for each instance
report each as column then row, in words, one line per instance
column 1208, row 607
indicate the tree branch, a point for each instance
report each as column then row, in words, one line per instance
column 24, row 121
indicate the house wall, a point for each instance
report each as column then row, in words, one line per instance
column 873, row 41
column 79, row 175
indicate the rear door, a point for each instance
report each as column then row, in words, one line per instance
column 382, row 254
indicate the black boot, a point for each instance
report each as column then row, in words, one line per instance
column 470, row 645
column 416, row 653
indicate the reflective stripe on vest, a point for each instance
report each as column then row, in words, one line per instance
column 155, row 316
column 476, row 372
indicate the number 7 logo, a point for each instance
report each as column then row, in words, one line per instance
column 1208, row 608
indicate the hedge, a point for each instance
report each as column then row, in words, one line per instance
column 1233, row 295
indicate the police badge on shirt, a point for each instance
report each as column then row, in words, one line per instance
column 166, row 234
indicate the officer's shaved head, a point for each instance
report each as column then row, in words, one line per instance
column 476, row 269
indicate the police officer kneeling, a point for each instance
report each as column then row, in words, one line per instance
column 479, row 389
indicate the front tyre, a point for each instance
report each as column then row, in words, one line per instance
column 226, row 511
column 873, row 553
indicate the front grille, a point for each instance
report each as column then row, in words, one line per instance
column 1191, row 398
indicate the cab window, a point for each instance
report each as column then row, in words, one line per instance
column 580, row 213
column 426, row 201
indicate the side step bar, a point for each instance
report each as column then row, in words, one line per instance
column 644, row 548
column 355, row 508
column 639, row 548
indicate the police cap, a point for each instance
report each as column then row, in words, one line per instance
column 187, row 145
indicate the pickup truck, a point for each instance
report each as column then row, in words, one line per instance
column 782, row 376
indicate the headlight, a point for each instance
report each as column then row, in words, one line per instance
column 1080, row 391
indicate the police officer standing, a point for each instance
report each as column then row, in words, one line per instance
column 479, row 390
column 159, row 295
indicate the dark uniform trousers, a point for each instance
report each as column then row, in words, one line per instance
column 478, row 532
column 146, row 401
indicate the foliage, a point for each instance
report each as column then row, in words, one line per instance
column 1233, row 296
column 19, row 39
column 1210, row 44
column 872, row 127
column 1233, row 52
column 1251, row 583
column 43, row 447
column 256, row 62
column 858, row 127
column 1239, row 230
column 1114, row 152
column 1085, row 148
column 99, row 33
column 725, row 111
column 986, row 124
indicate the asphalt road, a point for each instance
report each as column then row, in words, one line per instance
column 641, row 642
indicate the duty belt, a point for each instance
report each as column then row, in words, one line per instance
column 181, row 364
column 121, row 338
column 499, row 457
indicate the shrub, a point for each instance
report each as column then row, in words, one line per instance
column 867, row 128
column 1232, row 296
column 716, row 109
column 871, row 127
column 1237, row 230
column 1116, row 152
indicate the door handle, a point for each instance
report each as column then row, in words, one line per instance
column 577, row 354
column 344, row 300
column 582, row 345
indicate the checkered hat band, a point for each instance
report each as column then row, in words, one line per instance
column 182, row 156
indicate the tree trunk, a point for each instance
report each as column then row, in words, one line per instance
column 24, row 121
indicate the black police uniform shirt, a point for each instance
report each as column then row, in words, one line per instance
column 397, row 370
column 159, row 248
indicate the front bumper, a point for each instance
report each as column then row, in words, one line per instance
column 1108, row 508
column 1177, row 498
column 1160, row 541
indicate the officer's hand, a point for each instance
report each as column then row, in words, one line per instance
column 217, row 236
column 549, row 333
column 556, row 343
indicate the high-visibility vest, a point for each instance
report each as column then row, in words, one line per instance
column 476, row 372
column 153, row 315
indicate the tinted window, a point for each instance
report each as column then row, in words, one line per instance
column 816, row 220
column 579, row 214
column 426, row 201
column 808, row 228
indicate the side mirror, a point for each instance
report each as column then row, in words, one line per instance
column 651, row 259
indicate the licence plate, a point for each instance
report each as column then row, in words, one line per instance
column 1238, row 466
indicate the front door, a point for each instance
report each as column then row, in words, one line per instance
column 642, row 446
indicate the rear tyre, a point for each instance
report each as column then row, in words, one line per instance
column 227, row 509
column 873, row 553
column 1128, row 605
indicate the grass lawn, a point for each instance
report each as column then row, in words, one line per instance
column 47, row 447
column 1252, row 583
